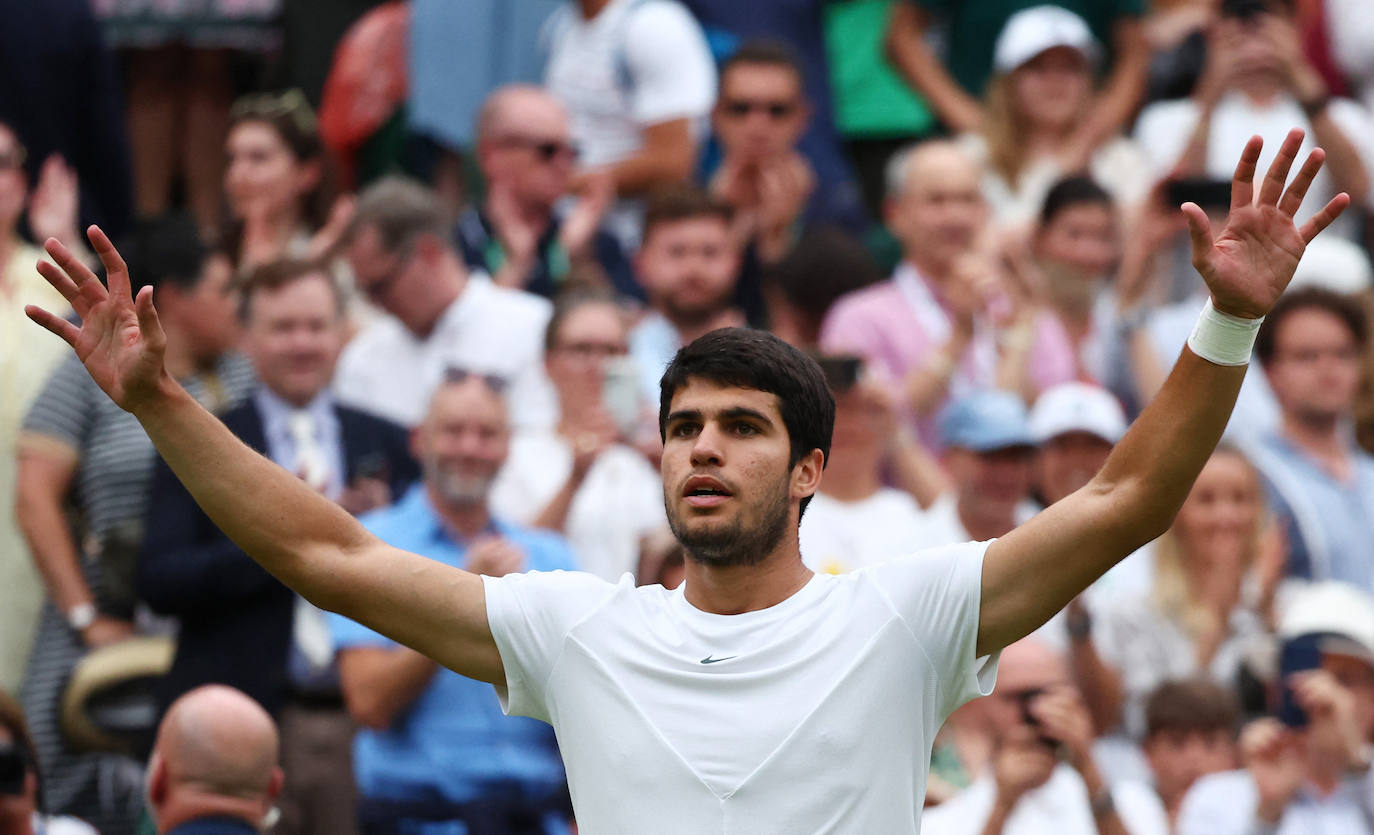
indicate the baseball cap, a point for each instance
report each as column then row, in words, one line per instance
column 1077, row 407
column 1031, row 31
column 984, row 421
column 1341, row 611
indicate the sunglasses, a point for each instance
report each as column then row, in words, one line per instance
column 546, row 149
column 776, row 110
column 458, row 374
column 290, row 104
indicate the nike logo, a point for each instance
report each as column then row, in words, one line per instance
column 710, row 660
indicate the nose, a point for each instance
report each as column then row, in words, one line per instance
column 707, row 449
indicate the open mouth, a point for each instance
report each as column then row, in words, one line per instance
column 704, row 491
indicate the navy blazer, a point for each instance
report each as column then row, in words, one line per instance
column 236, row 619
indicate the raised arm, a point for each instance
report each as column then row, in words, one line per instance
column 1038, row 568
column 302, row 538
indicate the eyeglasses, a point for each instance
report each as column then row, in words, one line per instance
column 13, row 159
column 546, row 149
column 458, row 374
column 290, row 104
column 378, row 289
column 587, row 351
column 776, row 110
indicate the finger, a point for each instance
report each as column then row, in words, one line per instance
column 1272, row 187
column 153, row 335
column 1199, row 229
column 1243, row 182
column 60, row 282
column 1332, row 210
column 116, row 271
column 75, row 269
column 64, row 329
column 1297, row 190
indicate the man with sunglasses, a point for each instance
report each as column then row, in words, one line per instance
column 520, row 234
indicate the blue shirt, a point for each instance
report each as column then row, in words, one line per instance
column 453, row 739
column 1328, row 522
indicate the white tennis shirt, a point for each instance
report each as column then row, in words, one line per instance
column 812, row 716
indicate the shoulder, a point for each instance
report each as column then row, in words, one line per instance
column 383, row 334
column 490, row 296
column 366, row 421
column 1219, row 792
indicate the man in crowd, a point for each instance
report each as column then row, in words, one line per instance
column 638, row 81
column 239, row 625
column 689, row 264
column 214, row 767
column 1190, row 732
column 1312, row 777
column 518, row 235
column 1321, row 485
column 434, row 746
column 403, row 259
column 1045, row 776
column 950, row 320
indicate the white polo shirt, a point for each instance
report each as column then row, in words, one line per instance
column 812, row 716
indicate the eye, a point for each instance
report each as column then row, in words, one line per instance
column 682, row 429
column 746, row 429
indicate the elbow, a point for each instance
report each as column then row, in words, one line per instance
column 1132, row 514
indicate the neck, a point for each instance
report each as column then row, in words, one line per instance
column 932, row 269
column 455, row 280
column 853, row 475
column 689, row 328
column 190, row 805
column 298, row 401
column 983, row 522
column 590, row 8
column 467, row 520
column 1318, row 437
column 736, row 589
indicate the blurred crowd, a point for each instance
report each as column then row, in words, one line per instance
column 433, row 256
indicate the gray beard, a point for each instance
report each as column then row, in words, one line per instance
column 733, row 544
column 457, row 488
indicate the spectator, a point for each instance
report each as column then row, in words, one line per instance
column 950, row 320
column 404, row 261
column 214, row 768
column 179, row 85
column 25, row 362
column 564, row 480
column 1321, row 484
column 238, row 625
column 1190, row 732
column 1314, row 777
column 435, row 746
column 61, row 97
column 689, row 265
column 760, row 115
column 1209, row 610
column 21, row 795
column 638, row 81
column 1036, row 102
column 1257, row 81
column 278, row 182
column 824, row 265
column 78, row 450
column 952, row 86
column 1036, row 718
column 517, row 235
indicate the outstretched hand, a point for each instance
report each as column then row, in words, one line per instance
column 119, row 340
column 1249, row 264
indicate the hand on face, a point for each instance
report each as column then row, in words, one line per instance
column 1022, row 763
column 1063, row 718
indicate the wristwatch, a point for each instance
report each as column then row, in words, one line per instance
column 81, row 616
column 1102, row 803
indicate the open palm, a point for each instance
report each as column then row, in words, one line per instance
column 119, row 340
column 1249, row 264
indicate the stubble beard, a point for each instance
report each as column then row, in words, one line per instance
column 733, row 543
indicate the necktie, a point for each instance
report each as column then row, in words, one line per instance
column 311, row 464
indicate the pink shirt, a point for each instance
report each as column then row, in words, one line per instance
column 895, row 328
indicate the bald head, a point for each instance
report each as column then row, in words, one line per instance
column 219, row 742
column 512, row 107
column 524, row 147
column 1031, row 664
column 935, row 204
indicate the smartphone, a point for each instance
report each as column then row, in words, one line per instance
column 620, row 394
column 841, row 372
column 1296, row 655
column 1207, row 193
column 1027, row 698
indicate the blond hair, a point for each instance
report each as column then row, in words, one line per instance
column 1005, row 128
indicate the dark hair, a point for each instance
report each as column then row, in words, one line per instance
column 1072, row 191
column 758, row 360
column 1343, row 307
column 571, row 300
column 275, row 275
column 764, row 51
column 826, row 263
column 682, row 201
column 12, row 718
column 1193, row 705
column 165, row 249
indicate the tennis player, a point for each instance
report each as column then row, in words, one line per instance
column 759, row 697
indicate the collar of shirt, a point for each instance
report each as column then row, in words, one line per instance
column 417, row 507
column 276, row 415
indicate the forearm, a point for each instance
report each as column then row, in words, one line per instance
column 908, row 52
column 1100, row 685
column 1013, row 361
column 45, row 529
column 997, row 817
column 916, row 471
column 1193, row 161
column 1343, row 159
column 1104, row 813
column 927, row 385
column 555, row 514
column 378, row 684
column 653, row 166
column 1120, row 94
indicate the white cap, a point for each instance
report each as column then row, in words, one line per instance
column 1332, row 608
column 1336, row 264
column 1031, row 31
column 1077, row 407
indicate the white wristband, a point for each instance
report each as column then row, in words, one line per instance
column 1223, row 339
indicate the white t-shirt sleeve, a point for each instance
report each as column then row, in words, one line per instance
column 530, row 616
column 671, row 70
column 937, row 594
column 1163, row 132
column 1140, row 809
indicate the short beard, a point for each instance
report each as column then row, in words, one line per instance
column 733, row 544
column 457, row 488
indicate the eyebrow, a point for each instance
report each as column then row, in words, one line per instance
column 733, row 413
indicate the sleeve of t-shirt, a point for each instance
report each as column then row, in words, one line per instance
column 937, row 594
column 1163, row 132
column 1139, row 808
column 530, row 617
column 671, row 71
column 65, row 409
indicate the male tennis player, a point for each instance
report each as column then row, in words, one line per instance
column 761, row 698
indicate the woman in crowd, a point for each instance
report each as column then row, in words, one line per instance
column 1040, row 93
column 80, row 453
column 1210, row 609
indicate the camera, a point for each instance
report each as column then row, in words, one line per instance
column 1243, row 9
column 14, row 765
